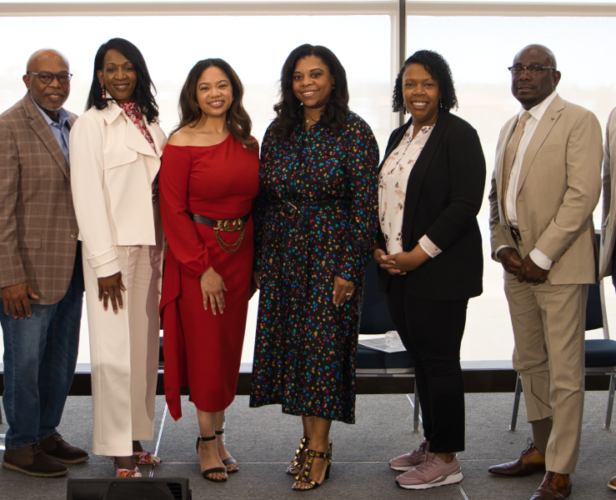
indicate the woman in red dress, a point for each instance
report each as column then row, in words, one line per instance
column 208, row 179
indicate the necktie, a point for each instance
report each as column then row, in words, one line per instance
column 510, row 153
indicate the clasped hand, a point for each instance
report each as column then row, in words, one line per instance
column 525, row 270
column 402, row 262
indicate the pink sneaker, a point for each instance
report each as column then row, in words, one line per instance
column 412, row 459
column 430, row 473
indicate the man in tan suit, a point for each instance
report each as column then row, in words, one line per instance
column 607, row 266
column 546, row 184
column 40, row 270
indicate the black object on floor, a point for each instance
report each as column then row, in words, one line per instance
column 163, row 488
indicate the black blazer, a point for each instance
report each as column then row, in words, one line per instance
column 443, row 197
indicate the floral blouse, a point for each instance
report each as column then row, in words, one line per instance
column 393, row 181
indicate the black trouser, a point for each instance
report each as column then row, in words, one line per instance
column 431, row 331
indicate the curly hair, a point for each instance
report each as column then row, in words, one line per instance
column 289, row 108
column 438, row 68
column 238, row 121
column 143, row 95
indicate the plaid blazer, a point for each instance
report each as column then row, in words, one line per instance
column 38, row 228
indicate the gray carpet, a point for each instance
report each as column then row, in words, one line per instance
column 263, row 440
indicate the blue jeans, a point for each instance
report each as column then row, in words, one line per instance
column 40, row 356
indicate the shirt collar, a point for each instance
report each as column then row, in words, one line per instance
column 62, row 115
column 539, row 110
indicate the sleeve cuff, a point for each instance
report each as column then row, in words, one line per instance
column 498, row 250
column 108, row 269
column 430, row 248
column 541, row 259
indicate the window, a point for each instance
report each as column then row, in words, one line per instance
column 479, row 50
column 255, row 37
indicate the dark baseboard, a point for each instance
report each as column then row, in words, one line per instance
column 475, row 380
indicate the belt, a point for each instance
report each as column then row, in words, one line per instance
column 515, row 234
column 289, row 209
column 226, row 225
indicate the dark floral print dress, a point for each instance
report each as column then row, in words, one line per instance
column 316, row 217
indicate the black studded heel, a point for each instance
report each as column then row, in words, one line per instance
column 296, row 466
column 213, row 470
column 304, row 477
column 228, row 461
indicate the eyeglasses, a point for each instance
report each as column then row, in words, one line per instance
column 532, row 70
column 46, row 77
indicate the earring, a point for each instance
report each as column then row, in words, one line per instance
column 104, row 91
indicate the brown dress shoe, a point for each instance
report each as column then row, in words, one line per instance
column 57, row 448
column 612, row 483
column 555, row 486
column 531, row 460
column 33, row 461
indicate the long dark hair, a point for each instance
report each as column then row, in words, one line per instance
column 288, row 109
column 143, row 95
column 438, row 68
column 238, row 121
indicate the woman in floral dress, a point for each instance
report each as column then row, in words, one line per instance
column 315, row 224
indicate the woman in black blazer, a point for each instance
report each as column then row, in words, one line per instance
column 430, row 255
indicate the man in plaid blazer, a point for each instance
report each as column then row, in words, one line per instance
column 41, row 273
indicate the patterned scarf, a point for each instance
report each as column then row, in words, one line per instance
column 131, row 110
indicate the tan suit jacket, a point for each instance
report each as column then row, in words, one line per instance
column 608, row 235
column 38, row 229
column 559, row 187
column 113, row 168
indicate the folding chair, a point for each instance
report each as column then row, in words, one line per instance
column 600, row 353
column 375, row 320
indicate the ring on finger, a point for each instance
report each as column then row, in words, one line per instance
column 106, row 292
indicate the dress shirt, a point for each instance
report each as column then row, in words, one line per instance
column 393, row 181
column 59, row 129
column 536, row 114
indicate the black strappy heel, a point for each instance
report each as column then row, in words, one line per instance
column 296, row 466
column 228, row 461
column 305, row 476
column 213, row 470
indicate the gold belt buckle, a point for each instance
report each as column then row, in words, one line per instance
column 229, row 225
column 293, row 212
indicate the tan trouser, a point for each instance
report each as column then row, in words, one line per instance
column 549, row 325
column 124, row 352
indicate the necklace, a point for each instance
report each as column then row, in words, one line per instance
column 309, row 119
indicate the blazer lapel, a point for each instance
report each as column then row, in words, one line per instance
column 135, row 140
column 416, row 178
column 500, row 153
column 133, row 137
column 159, row 138
column 41, row 128
column 550, row 117
column 396, row 141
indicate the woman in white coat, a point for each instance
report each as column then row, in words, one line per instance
column 115, row 152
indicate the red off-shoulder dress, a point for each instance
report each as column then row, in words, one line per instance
column 202, row 350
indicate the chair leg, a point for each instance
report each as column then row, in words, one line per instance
column 610, row 402
column 516, row 403
column 416, row 411
column 2, row 436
